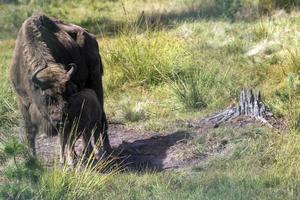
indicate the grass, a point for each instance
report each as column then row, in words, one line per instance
column 9, row 115
column 79, row 183
column 180, row 60
column 259, row 167
column 24, row 177
column 188, row 91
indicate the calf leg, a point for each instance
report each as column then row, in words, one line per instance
column 88, row 148
column 104, row 136
column 101, row 130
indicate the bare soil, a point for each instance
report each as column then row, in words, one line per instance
column 139, row 150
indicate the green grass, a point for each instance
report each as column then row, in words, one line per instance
column 24, row 177
column 259, row 167
column 176, row 61
column 8, row 113
column 80, row 183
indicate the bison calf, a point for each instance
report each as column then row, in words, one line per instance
column 84, row 117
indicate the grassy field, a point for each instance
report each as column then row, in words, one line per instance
column 167, row 60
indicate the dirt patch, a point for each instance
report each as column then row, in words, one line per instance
column 135, row 150
column 139, row 150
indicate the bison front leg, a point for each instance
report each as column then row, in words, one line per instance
column 66, row 140
column 69, row 158
column 31, row 132
column 66, row 146
column 31, row 129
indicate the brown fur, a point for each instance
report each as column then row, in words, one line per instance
column 49, row 44
column 84, row 118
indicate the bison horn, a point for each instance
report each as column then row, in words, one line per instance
column 42, row 84
column 73, row 68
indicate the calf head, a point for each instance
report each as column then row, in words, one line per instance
column 51, row 82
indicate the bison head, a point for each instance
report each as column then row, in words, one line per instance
column 51, row 82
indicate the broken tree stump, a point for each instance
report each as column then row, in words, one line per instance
column 248, row 105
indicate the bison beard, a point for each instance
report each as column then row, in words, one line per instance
column 51, row 61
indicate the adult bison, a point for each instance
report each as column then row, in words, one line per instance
column 51, row 61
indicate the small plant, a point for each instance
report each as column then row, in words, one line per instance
column 201, row 87
column 131, row 110
column 261, row 31
column 134, row 113
column 188, row 92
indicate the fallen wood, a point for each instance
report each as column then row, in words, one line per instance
column 248, row 105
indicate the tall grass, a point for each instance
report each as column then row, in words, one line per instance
column 286, row 96
column 287, row 164
column 189, row 91
column 202, row 86
column 293, row 110
column 79, row 183
column 9, row 115
column 24, row 177
column 143, row 60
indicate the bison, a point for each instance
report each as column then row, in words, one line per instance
column 84, row 117
column 51, row 61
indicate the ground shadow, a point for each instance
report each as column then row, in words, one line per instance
column 148, row 154
column 103, row 26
